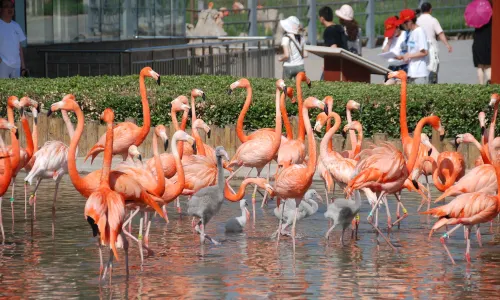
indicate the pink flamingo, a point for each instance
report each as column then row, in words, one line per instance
column 128, row 133
column 355, row 144
column 5, row 159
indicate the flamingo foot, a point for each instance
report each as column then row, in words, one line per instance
column 478, row 235
column 398, row 221
column 443, row 242
column 467, row 257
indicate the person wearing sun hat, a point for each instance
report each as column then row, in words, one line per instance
column 418, row 49
column 351, row 28
column 395, row 41
column 293, row 48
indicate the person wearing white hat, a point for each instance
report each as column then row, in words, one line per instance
column 293, row 48
column 351, row 27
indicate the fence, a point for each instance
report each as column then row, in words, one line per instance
column 370, row 14
column 252, row 57
column 53, row 128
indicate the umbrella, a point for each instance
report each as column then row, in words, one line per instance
column 478, row 13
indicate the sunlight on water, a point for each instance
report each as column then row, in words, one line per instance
column 246, row 265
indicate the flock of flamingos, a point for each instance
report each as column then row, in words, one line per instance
column 115, row 196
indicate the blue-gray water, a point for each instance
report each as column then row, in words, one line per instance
column 246, row 265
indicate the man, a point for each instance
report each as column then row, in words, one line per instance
column 334, row 35
column 11, row 37
column 431, row 27
column 417, row 55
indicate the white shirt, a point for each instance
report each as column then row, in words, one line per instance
column 430, row 25
column 417, row 42
column 11, row 35
column 396, row 48
column 294, row 57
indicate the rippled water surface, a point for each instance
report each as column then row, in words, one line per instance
column 246, row 265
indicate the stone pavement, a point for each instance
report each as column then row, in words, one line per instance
column 455, row 67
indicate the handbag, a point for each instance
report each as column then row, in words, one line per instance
column 433, row 57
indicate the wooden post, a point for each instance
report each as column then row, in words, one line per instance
column 495, row 43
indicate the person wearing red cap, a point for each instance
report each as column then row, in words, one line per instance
column 395, row 41
column 417, row 55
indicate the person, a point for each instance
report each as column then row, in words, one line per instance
column 431, row 27
column 11, row 37
column 334, row 34
column 351, row 28
column 418, row 49
column 293, row 48
column 481, row 52
column 396, row 40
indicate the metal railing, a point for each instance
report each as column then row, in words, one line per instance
column 253, row 57
column 370, row 15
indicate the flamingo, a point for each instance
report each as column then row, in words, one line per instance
column 50, row 162
column 352, row 105
column 383, row 169
column 105, row 208
column 294, row 181
column 260, row 182
column 467, row 210
column 128, row 133
column 492, row 142
column 5, row 159
column 483, row 146
column 258, row 150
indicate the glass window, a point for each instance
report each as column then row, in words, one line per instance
column 73, row 21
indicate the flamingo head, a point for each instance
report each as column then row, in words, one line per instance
column 353, row 125
column 436, row 124
column 311, row 102
column 242, row 83
column 13, row 102
column 289, row 93
column 133, row 152
column 494, row 99
column 353, row 105
column 4, row 124
column 198, row 93
column 32, row 104
column 178, row 105
column 312, row 194
column 243, row 206
column 398, row 74
column 68, row 103
column 108, row 116
column 321, row 119
column 221, row 152
column 465, row 138
column 95, row 213
column 200, row 124
column 181, row 135
column 280, row 85
column 482, row 121
column 161, row 132
column 147, row 71
column 328, row 104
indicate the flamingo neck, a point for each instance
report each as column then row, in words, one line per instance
column 403, row 123
column 277, row 130
column 359, row 141
column 352, row 135
column 35, row 136
column 302, row 131
column 239, row 125
column 416, row 142
column 108, row 156
column 6, row 176
column 491, row 133
column 179, row 185
column 69, row 125
column 173, row 114
column 311, row 163
column 220, row 174
column 286, row 121
column 146, row 126
column 481, row 148
column 193, row 109
column 16, row 157
column 160, row 187
column 78, row 181
column 234, row 197
column 200, row 148
column 29, row 138
column 325, row 142
column 329, row 126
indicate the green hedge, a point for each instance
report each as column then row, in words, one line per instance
column 456, row 104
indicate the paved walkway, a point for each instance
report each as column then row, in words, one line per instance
column 455, row 67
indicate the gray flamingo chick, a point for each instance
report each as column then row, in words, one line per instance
column 343, row 211
column 237, row 224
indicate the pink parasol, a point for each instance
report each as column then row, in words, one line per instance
column 478, row 13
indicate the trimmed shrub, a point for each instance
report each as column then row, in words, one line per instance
column 457, row 104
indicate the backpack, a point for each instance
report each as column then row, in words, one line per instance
column 300, row 47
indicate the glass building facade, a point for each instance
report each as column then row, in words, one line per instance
column 77, row 21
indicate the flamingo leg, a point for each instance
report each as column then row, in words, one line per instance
column 467, row 238
column 55, row 195
column 297, row 203
column 146, row 239
column 370, row 220
column 342, row 237
column 25, row 198
column 264, row 199
column 125, row 248
column 405, row 212
column 443, row 241
column 101, row 268
column 234, row 173
column 12, row 200
column 389, row 224
column 253, row 202
column 278, row 232
column 478, row 236
column 1, row 221
column 327, row 235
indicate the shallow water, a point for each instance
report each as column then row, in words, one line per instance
column 246, row 265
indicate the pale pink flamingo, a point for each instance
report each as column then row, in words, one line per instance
column 5, row 159
column 294, row 181
column 128, row 133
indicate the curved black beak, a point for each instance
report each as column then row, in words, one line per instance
column 309, row 83
column 36, row 120
column 158, row 81
column 209, row 133
column 165, row 145
column 429, row 152
column 95, row 229
column 140, row 157
column 17, row 135
column 456, row 144
column 415, row 183
column 482, row 130
column 39, row 108
column 325, row 109
column 203, row 96
column 360, row 108
column 441, row 137
column 22, row 111
column 246, row 203
column 344, row 134
column 229, row 91
column 49, row 112
column 195, row 150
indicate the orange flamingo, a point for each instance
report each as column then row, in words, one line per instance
column 119, row 182
column 128, row 133
column 293, row 181
column 352, row 105
column 260, row 182
column 258, row 150
column 105, row 208
column 467, row 210
column 5, row 159
column 383, row 169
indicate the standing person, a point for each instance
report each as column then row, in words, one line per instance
column 481, row 52
column 334, row 34
column 293, row 48
column 396, row 40
column 351, row 28
column 431, row 27
column 11, row 37
column 418, row 49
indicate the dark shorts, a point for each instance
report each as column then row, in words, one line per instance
column 290, row 72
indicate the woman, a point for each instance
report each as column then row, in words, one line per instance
column 396, row 41
column 293, row 48
column 351, row 28
column 418, row 49
column 481, row 52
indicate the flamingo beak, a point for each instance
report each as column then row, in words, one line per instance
column 320, row 198
column 325, row 109
column 309, row 83
column 22, row 111
column 317, row 126
column 49, row 112
column 456, row 143
column 203, row 96
column 482, row 130
column 158, row 81
column 95, row 229
column 415, row 184
column 429, row 152
column 165, row 145
column 209, row 133
column 441, row 137
column 195, row 150
column 225, row 155
column 229, row 91
column 140, row 157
